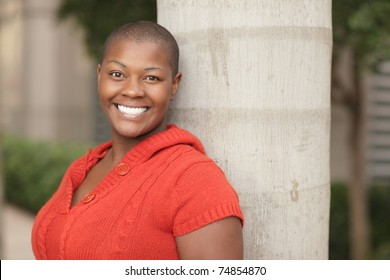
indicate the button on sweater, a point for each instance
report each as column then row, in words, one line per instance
column 164, row 187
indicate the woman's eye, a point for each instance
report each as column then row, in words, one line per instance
column 116, row 74
column 152, row 78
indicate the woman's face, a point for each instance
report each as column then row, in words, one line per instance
column 136, row 85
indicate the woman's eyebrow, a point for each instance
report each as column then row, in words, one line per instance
column 117, row 62
column 153, row 68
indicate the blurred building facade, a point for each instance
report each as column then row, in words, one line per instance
column 47, row 81
column 378, row 126
column 48, row 89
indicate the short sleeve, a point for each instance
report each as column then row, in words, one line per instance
column 203, row 195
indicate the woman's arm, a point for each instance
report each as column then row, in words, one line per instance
column 220, row 240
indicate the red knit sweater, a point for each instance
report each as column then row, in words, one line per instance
column 164, row 187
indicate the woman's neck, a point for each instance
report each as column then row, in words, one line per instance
column 122, row 145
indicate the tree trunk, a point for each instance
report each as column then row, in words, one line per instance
column 359, row 222
column 1, row 151
column 256, row 91
column 1, row 198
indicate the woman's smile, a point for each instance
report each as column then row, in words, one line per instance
column 131, row 112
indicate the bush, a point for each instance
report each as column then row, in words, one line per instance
column 33, row 170
column 379, row 213
column 380, row 225
column 339, row 223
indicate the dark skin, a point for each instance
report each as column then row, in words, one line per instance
column 138, row 77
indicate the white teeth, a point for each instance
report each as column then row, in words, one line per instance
column 132, row 111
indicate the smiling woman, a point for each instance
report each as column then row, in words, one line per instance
column 150, row 192
column 135, row 83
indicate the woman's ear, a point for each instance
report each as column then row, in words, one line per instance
column 175, row 85
column 98, row 70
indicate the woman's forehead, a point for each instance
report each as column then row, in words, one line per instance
column 125, row 47
column 138, row 54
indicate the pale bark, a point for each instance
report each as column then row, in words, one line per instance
column 256, row 91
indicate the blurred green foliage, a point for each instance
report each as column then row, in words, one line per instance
column 99, row 17
column 364, row 26
column 380, row 221
column 379, row 213
column 33, row 170
column 339, row 223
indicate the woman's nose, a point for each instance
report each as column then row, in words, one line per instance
column 133, row 89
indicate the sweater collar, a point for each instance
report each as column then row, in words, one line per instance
column 144, row 150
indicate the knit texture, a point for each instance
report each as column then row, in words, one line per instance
column 166, row 187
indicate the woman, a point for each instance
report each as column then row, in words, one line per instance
column 151, row 192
